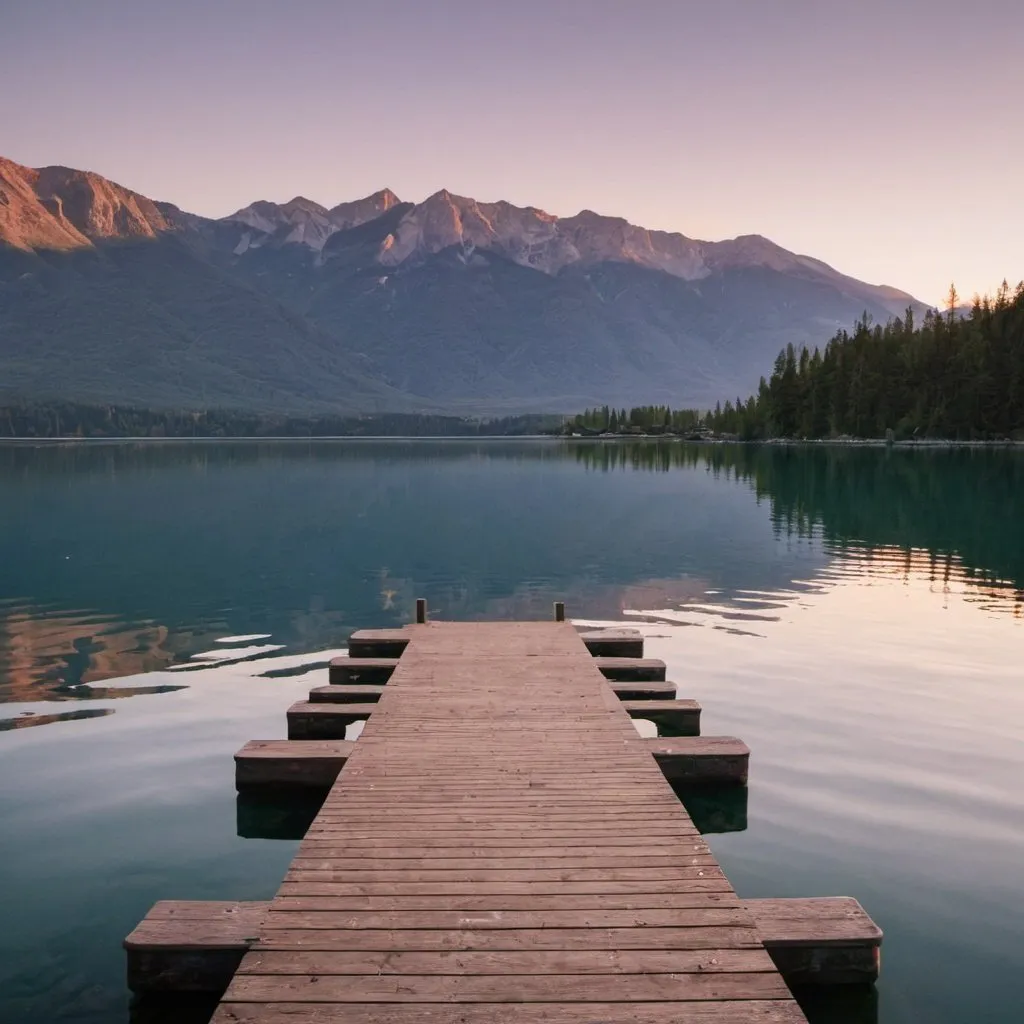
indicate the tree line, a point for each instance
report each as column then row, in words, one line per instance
column 644, row 419
column 951, row 376
column 57, row 419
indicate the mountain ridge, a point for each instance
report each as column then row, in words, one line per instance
column 472, row 223
column 451, row 300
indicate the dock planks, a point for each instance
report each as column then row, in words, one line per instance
column 198, row 946
column 500, row 838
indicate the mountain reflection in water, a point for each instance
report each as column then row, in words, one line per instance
column 162, row 550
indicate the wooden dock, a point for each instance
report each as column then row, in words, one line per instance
column 501, row 846
column 189, row 946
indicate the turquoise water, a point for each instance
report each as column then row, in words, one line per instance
column 856, row 616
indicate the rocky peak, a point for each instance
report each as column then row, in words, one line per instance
column 61, row 208
column 360, row 211
column 524, row 234
column 537, row 239
column 98, row 208
column 304, row 222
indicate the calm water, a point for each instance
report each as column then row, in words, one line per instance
column 856, row 616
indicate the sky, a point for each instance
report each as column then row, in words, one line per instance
column 885, row 137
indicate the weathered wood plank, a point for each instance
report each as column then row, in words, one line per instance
column 580, row 961
column 510, row 887
column 329, row 860
column 783, row 1011
column 292, row 896
column 515, row 920
column 823, row 920
column 470, row 988
column 470, row 835
column 512, row 873
column 242, row 916
column 321, row 844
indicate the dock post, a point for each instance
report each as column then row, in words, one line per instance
column 559, row 611
column 421, row 610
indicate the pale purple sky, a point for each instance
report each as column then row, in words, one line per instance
column 886, row 138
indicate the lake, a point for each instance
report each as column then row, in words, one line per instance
column 857, row 616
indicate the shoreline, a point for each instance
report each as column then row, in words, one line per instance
column 289, row 438
column 833, row 442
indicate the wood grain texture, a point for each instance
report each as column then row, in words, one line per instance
column 501, row 838
column 580, row 961
column 823, row 921
column 783, row 1011
column 510, row 988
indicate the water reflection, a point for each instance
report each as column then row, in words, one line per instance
column 121, row 559
column 963, row 507
column 715, row 809
column 173, row 1008
column 87, row 692
column 46, row 648
column 263, row 815
column 843, row 1004
column 28, row 718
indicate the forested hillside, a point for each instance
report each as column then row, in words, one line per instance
column 951, row 376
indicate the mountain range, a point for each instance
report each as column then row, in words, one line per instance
column 379, row 304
